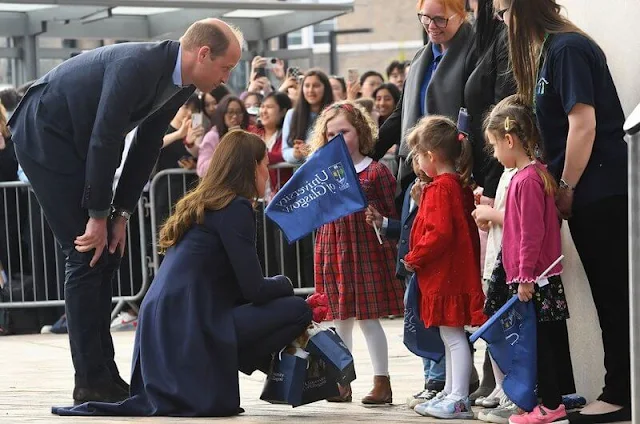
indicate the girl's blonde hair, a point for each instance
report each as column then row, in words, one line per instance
column 513, row 116
column 231, row 173
column 440, row 135
column 358, row 117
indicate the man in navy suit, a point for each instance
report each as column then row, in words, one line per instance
column 69, row 136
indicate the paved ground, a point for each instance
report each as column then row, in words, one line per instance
column 36, row 373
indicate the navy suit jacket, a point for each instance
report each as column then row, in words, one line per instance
column 74, row 119
column 401, row 230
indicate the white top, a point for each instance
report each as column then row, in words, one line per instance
column 363, row 164
column 494, row 240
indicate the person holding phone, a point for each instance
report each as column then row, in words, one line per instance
column 298, row 122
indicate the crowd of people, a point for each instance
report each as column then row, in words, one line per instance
column 544, row 144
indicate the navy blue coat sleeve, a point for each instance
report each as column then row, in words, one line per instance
column 393, row 229
column 124, row 86
column 237, row 231
column 144, row 152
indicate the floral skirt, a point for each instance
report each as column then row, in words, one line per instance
column 550, row 300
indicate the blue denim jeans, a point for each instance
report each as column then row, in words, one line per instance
column 434, row 371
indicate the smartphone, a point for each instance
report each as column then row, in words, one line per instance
column 463, row 121
column 261, row 72
column 300, row 79
column 271, row 62
column 196, row 119
column 353, row 75
column 293, row 71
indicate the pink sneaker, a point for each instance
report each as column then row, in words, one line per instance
column 542, row 415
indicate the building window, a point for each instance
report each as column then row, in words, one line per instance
column 321, row 31
column 294, row 38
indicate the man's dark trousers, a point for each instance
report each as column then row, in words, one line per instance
column 87, row 290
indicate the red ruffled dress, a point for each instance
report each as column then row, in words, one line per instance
column 355, row 271
column 445, row 253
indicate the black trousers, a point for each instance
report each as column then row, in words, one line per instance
column 265, row 329
column 600, row 233
column 555, row 373
column 87, row 290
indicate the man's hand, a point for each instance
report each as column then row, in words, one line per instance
column 94, row 237
column 118, row 235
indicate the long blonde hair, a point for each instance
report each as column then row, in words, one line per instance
column 530, row 21
column 512, row 116
column 231, row 173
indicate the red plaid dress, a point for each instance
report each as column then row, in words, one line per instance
column 351, row 267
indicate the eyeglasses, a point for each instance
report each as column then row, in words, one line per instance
column 234, row 113
column 439, row 21
column 500, row 13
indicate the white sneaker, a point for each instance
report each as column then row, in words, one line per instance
column 124, row 321
column 423, row 397
column 46, row 329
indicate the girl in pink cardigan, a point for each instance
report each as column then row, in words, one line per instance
column 530, row 244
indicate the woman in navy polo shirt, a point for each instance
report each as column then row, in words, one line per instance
column 564, row 73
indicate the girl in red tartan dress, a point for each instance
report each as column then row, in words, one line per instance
column 445, row 255
column 356, row 272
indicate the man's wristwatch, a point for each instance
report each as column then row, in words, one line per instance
column 565, row 186
column 119, row 212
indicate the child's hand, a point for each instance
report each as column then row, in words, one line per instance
column 483, row 214
column 525, row 291
column 372, row 217
column 407, row 266
column 416, row 191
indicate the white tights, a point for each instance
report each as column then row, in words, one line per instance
column 458, row 357
column 375, row 337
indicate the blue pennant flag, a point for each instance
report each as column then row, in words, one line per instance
column 421, row 341
column 511, row 339
column 322, row 190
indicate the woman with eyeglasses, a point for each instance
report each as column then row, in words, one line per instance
column 230, row 114
column 436, row 78
column 434, row 86
column 563, row 73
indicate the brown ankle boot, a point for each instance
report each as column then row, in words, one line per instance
column 381, row 392
column 345, row 394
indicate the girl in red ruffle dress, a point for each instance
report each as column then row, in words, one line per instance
column 356, row 272
column 445, row 255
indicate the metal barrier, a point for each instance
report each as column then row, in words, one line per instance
column 632, row 127
column 276, row 255
column 34, row 264
column 33, row 274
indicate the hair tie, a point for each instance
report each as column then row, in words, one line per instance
column 461, row 137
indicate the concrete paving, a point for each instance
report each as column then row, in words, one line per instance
column 36, row 373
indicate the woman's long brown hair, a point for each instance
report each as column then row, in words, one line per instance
column 530, row 21
column 231, row 173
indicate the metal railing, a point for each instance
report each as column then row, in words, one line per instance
column 632, row 127
column 33, row 264
column 276, row 255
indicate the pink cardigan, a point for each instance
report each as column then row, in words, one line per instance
column 209, row 143
column 531, row 240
